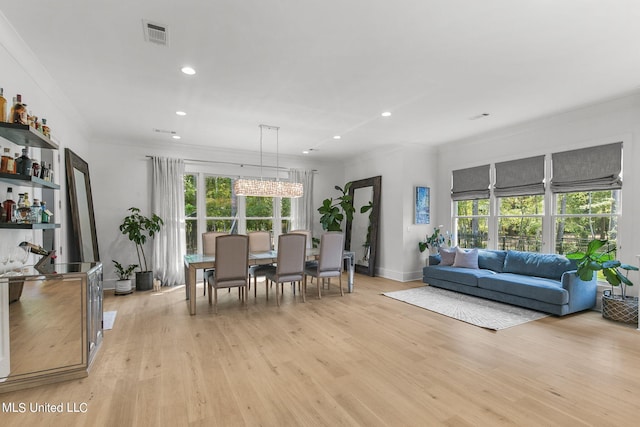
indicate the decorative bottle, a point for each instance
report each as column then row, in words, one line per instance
column 46, row 131
column 44, row 213
column 35, row 169
column 24, row 163
column 3, row 106
column 8, row 207
column 7, row 164
column 19, row 112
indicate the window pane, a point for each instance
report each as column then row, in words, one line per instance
column 472, row 232
column 473, row 207
column 286, row 226
column 588, row 202
column 191, row 226
column 190, row 196
column 220, row 200
column 259, row 225
column 259, row 207
column 521, row 205
column 575, row 233
column 520, row 234
column 222, row 225
column 285, row 211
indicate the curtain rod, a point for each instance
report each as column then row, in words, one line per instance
column 234, row 164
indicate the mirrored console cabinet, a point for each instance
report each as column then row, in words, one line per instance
column 50, row 324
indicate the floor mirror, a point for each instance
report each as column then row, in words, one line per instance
column 361, row 233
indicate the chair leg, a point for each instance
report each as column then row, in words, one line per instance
column 255, row 287
column 340, row 280
column 277, row 297
column 209, row 286
column 215, row 299
column 266, row 287
column 320, row 283
column 303, row 291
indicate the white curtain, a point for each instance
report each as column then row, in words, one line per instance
column 169, row 245
column 302, row 207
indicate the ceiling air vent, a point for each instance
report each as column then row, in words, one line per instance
column 155, row 33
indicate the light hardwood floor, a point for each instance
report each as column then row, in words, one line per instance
column 358, row 360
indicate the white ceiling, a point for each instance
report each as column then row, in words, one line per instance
column 330, row 67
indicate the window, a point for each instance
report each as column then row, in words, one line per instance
column 226, row 212
column 520, row 223
column 583, row 216
column 191, row 212
column 472, row 223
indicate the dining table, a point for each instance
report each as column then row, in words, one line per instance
column 194, row 262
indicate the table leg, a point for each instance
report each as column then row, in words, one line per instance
column 191, row 288
column 351, row 270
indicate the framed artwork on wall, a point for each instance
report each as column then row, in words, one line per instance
column 422, row 208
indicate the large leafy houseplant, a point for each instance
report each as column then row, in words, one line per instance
column 600, row 258
column 138, row 228
column 334, row 211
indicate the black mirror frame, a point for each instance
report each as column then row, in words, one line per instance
column 376, row 183
column 74, row 162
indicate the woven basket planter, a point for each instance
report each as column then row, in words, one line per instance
column 618, row 309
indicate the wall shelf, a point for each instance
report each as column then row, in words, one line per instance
column 26, row 136
column 22, row 226
column 30, row 181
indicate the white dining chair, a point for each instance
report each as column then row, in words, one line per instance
column 259, row 241
column 209, row 249
column 232, row 267
column 330, row 263
column 290, row 263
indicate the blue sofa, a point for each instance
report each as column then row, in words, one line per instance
column 542, row 282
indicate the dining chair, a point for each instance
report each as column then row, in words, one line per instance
column 232, row 266
column 330, row 262
column 259, row 241
column 309, row 263
column 209, row 249
column 289, row 266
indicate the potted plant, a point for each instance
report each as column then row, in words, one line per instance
column 599, row 257
column 334, row 211
column 123, row 285
column 434, row 241
column 138, row 228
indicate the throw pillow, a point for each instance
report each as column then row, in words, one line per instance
column 466, row 258
column 447, row 256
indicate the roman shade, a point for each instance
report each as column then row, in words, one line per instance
column 522, row 177
column 587, row 169
column 471, row 183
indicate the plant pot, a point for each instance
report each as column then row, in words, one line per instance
column 123, row 287
column 618, row 309
column 144, row 281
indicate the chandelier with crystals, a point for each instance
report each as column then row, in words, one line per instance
column 268, row 187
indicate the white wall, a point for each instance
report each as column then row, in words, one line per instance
column 121, row 178
column 402, row 169
column 22, row 73
column 611, row 121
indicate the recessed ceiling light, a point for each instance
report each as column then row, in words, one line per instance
column 188, row 70
column 337, row 137
column 175, row 136
column 305, row 152
column 386, row 114
column 479, row 116
column 181, row 113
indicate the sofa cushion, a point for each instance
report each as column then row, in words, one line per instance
column 447, row 256
column 464, row 276
column 491, row 260
column 537, row 288
column 550, row 266
column 466, row 258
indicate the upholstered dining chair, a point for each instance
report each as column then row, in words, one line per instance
column 209, row 249
column 330, row 262
column 310, row 263
column 289, row 264
column 232, row 266
column 259, row 241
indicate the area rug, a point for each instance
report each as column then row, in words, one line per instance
column 108, row 318
column 476, row 311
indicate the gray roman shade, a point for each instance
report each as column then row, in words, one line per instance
column 587, row 169
column 471, row 183
column 522, row 177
